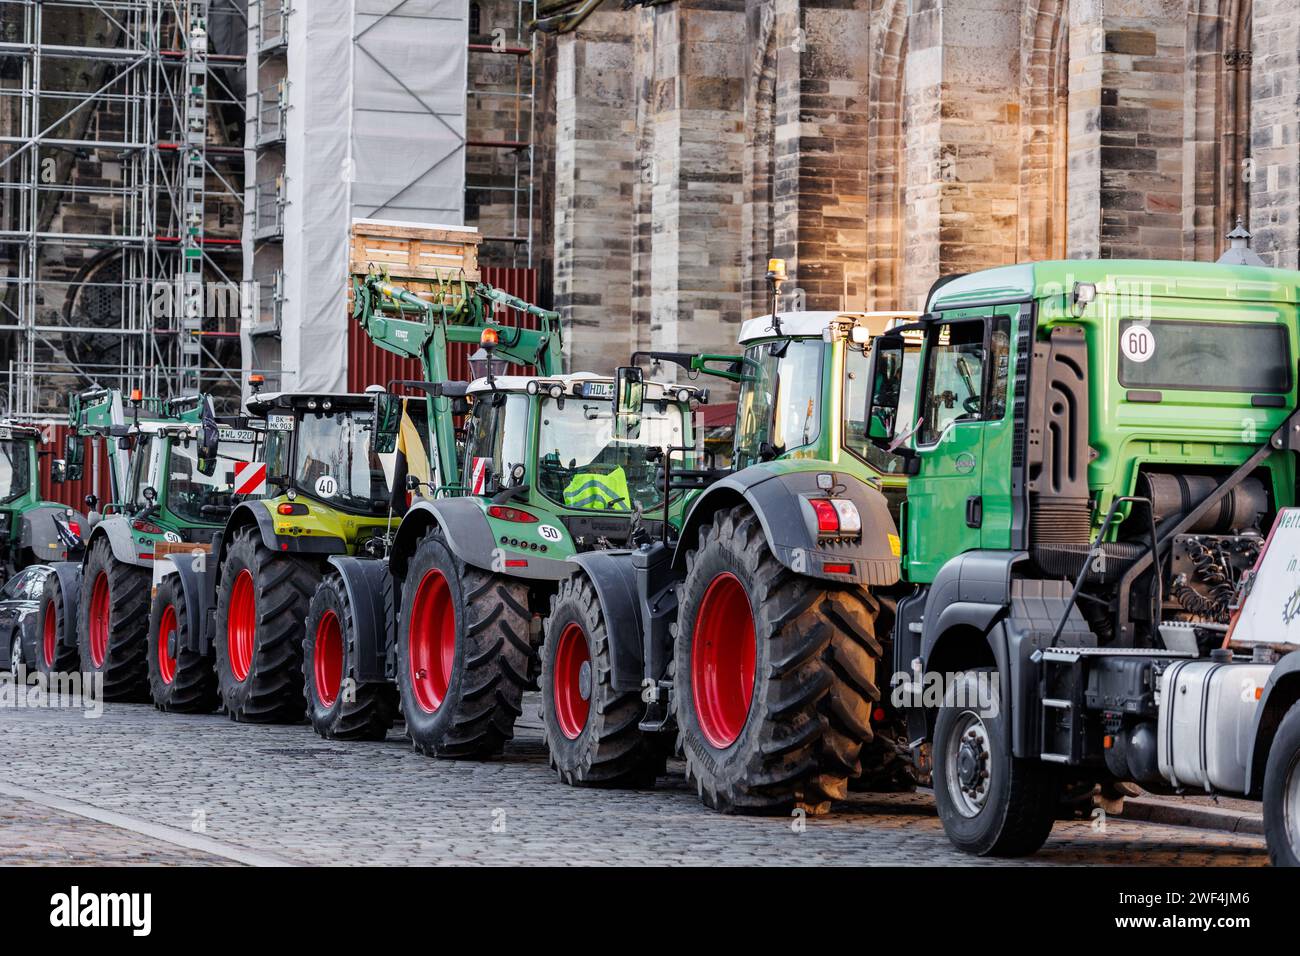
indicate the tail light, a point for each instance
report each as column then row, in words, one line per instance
column 292, row 508
column 836, row 516
column 510, row 514
column 146, row 527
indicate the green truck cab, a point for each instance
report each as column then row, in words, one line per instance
column 747, row 636
column 1093, row 451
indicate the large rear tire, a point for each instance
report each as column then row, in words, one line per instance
column 1282, row 792
column 338, row 705
column 113, row 637
column 592, row 733
column 56, row 647
column 261, row 606
column 773, row 675
column 991, row 802
column 181, row 680
column 463, row 653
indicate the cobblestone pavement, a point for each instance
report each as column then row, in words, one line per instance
column 285, row 794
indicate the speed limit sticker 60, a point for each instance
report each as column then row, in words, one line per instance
column 1137, row 343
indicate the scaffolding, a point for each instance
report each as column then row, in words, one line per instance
column 501, row 174
column 121, row 195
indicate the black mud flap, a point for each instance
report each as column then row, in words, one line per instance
column 365, row 579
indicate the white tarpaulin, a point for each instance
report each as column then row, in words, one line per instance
column 375, row 129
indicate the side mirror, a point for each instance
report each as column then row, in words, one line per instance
column 209, row 439
column 885, row 389
column 74, row 450
column 629, row 396
column 58, row 471
column 388, row 422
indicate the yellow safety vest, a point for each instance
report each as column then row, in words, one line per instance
column 600, row 492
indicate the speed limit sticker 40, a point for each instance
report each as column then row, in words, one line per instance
column 1137, row 343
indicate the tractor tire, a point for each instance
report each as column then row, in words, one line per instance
column 338, row 705
column 592, row 740
column 1282, row 792
column 181, row 680
column 463, row 654
column 261, row 606
column 773, row 676
column 991, row 802
column 56, row 648
column 113, row 637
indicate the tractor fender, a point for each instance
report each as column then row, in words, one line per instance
column 117, row 529
column 39, row 535
column 364, row 581
column 1280, row 692
column 470, row 538
column 198, row 586
column 68, row 574
column 256, row 512
column 613, row 577
column 780, row 500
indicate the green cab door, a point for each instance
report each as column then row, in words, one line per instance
column 961, row 418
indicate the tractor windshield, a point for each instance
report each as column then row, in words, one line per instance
column 333, row 462
column 196, row 498
column 582, row 464
column 779, row 408
column 15, row 470
column 497, row 441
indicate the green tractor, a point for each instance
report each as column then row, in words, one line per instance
column 552, row 465
column 171, row 479
column 34, row 531
column 749, row 634
column 1095, row 452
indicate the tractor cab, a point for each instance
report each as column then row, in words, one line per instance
column 31, row 530
column 564, row 443
column 322, row 447
column 803, row 391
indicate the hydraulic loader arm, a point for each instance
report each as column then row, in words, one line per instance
column 403, row 323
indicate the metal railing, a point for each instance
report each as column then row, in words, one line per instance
column 268, row 209
column 272, row 107
column 273, row 24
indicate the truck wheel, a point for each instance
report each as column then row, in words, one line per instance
column 591, row 730
column 56, row 650
column 774, row 675
column 1282, row 792
column 261, row 606
column 463, row 655
column 991, row 803
column 114, row 633
column 181, row 680
column 338, row 706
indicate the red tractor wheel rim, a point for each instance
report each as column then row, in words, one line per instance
column 100, row 608
column 327, row 659
column 432, row 641
column 166, row 630
column 48, row 635
column 242, row 625
column 723, row 651
column 571, row 708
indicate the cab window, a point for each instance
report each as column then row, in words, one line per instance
column 966, row 375
column 856, row 439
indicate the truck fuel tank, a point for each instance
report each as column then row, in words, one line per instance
column 1206, row 723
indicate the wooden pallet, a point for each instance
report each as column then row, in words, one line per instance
column 411, row 253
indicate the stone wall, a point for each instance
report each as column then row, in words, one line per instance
column 877, row 145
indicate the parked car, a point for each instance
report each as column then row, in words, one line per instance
column 20, row 602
